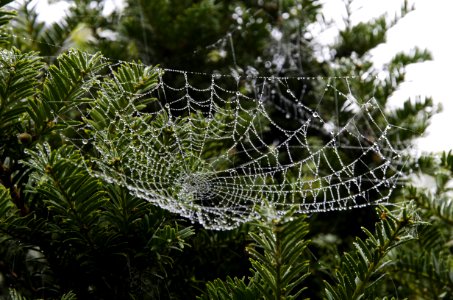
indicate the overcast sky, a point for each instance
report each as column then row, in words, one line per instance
column 429, row 26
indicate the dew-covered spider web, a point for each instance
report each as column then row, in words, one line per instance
column 216, row 148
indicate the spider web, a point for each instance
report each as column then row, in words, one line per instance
column 217, row 148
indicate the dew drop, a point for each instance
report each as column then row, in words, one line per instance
column 216, row 75
column 84, row 141
column 288, row 115
column 268, row 64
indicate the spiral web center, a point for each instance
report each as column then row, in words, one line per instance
column 194, row 187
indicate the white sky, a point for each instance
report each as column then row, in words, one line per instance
column 429, row 26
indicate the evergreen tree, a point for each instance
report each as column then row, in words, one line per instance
column 66, row 234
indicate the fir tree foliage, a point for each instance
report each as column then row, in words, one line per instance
column 67, row 234
column 61, row 228
column 424, row 268
column 18, row 78
column 28, row 33
column 5, row 17
column 362, row 268
column 278, row 258
column 280, row 262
